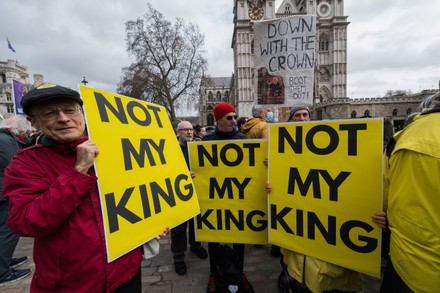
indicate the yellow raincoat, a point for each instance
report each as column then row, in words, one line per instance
column 319, row 275
column 412, row 194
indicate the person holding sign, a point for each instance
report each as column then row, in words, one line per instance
column 299, row 113
column 226, row 117
column 53, row 195
column 258, row 127
column 412, row 188
column 185, row 133
column 302, row 273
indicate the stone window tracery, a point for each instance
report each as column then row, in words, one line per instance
column 226, row 96
column 325, row 94
column 323, row 42
column 301, row 5
column 210, row 119
column 324, row 74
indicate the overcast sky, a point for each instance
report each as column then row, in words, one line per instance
column 392, row 45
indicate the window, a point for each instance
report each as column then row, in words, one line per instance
column 8, row 97
column 10, row 108
column 319, row 114
column 210, row 119
column 367, row 113
column 395, row 112
column 408, row 111
column 323, row 42
column 353, row 114
column 287, row 9
column 210, row 96
column 226, row 96
column 218, row 96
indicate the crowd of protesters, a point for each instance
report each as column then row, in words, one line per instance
column 49, row 192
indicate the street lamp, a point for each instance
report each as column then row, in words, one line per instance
column 84, row 81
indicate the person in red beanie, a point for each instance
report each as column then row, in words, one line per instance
column 226, row 118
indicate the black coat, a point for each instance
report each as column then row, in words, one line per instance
column 9, row 145
column 217, row 134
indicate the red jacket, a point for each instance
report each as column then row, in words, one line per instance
column 60, row 207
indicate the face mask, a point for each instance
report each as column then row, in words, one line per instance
column 269, row 117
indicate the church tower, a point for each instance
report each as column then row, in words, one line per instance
column 331, row 46
column 245, row 13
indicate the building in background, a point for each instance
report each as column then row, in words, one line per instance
column 396, row 107
column 11, row 70
column 331, row 47
column 213, row 90
column 330, row 92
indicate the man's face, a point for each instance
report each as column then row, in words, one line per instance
column 300, row 115
column 185, row 132
column 62, row 121
column 227, row 122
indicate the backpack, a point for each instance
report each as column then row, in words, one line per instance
column 229, row 271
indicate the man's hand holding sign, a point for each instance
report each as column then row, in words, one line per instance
column 141, row 192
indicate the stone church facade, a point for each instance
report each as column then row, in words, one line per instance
column 330, row 47
column 213, row 90
column 396, row 107
column 330, row 92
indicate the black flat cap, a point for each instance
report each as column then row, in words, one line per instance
column 47, row 92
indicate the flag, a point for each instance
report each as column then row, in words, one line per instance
column 18, row 94
column 10, row 45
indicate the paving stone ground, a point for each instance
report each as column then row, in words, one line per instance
column 158, row 274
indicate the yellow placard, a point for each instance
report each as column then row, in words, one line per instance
column 230, row 182
column 143, row 180
column 326, row 179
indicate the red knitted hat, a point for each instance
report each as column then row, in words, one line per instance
column 222, row 109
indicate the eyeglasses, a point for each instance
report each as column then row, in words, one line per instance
column 186, row 129
column 53, row 114
column 231, row 117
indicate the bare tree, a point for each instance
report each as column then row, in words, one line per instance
column 169, row 61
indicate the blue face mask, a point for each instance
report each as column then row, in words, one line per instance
column 269, row 117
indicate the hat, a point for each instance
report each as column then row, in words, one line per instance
column 47, row 92
column 222, row 109
column 296, row 108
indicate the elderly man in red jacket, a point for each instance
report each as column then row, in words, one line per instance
column 53, row 195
